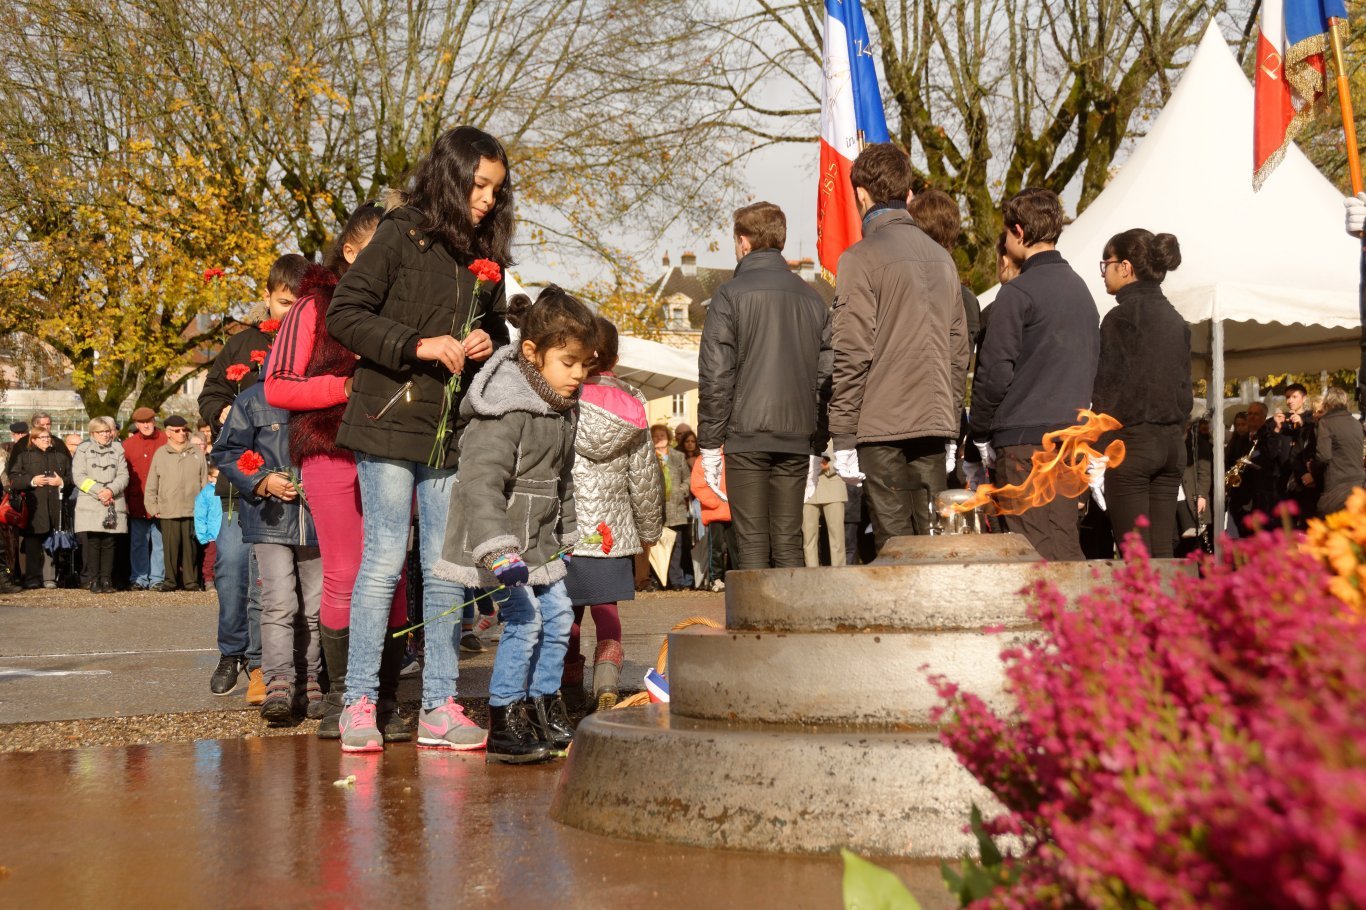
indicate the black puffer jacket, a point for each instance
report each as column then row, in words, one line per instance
column 764, row 360
column 406, row 285
column 1145, row 352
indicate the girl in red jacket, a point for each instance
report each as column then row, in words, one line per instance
column 310, row 375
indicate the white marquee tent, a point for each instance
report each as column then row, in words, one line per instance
column 1269, row 280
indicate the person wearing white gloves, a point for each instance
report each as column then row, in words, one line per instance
column 901, row 352
column 1036, row 366
column 1144, row 382
column 762, row 369
column 1356, row 213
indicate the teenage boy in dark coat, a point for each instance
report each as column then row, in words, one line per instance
column 1037, row 365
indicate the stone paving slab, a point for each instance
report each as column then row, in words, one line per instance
column 70, row 654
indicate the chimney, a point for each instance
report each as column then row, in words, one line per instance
column 688, row 261
column 666, row 260
column 808, row 270
column 794, row 264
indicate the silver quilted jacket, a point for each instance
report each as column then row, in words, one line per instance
column 616, row 475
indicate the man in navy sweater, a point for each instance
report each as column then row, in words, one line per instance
column 1037, row 364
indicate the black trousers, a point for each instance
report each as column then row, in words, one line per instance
column 97, row 557
column 1146, row 483
column 765, row 490
column 901, row 479
column 1053, row 527
column 32, row 545
column 180, row 550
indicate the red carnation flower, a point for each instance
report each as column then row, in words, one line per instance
column 270, row 326
column 258, row 357
column 250, row 462
column 211, row 274
column 237, row 372
column 486, row 270
column 606, row 534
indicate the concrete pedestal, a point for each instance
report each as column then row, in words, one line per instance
column 804, row 726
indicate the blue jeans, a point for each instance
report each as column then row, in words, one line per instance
column 530, row 658
column 238, row 584
column 386, row 496
column 144, row 552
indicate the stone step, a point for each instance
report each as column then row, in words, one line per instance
column 958, row 548
column 850, row 678
column 898, row 597
column 645, row 774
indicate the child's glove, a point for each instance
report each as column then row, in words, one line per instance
column 566, row 556
column 510, row 570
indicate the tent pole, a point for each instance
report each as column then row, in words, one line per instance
column 1216, row 426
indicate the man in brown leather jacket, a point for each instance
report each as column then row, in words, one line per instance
column 901, row 352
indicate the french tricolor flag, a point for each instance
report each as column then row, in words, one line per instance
column 851, row 115
column 1292, row 41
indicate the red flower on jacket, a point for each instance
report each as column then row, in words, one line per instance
column 270, row 326
column 606, row 533
column 211, row 274
column 250, row 462
column 486, row 270
column 237, row 372
column 258, row 357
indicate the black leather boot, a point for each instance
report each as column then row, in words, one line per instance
column 550, row 720
column 512, row 740
column 336, row 643
column 395, row 727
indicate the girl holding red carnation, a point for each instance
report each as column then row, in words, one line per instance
column 619, row 491
column 415, row 313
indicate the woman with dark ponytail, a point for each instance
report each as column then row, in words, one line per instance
column 1143, row 381
column 423, row 308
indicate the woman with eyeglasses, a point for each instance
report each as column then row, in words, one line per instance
column 100, row 474
column 43, row 472
column 1144, row 382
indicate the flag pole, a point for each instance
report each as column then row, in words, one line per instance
column 1349, row 129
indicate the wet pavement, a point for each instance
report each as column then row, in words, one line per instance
column 260, row 823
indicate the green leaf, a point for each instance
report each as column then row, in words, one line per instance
column 991, row 856
column 870, row 887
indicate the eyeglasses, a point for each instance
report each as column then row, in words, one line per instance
column 100, row 432
column 1106, row 263
column 177, row 430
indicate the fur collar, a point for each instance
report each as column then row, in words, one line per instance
column 500, row 388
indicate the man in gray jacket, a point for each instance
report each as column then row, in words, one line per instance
column 177, row 475
column 764, row 361
column 901, row 352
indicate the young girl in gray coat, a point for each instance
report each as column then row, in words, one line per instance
column 512, row 514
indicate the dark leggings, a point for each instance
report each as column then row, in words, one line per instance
column 606, row 621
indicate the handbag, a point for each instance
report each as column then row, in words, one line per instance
column 15, row 509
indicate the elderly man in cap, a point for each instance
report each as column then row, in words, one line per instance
column 144, row 532
column 178, row 473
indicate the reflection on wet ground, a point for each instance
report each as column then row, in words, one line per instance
column 261, row 823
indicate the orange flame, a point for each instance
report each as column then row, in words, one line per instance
column 1058, row 469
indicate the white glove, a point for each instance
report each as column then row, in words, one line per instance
column 1095, row 473
column 846, row 464
column 1356, row 213
column 988, row 454
column 975, row 473
column 711, row 471
column 950, row 456
column 812, row 472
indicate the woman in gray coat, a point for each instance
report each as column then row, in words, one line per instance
column 1338, row 451
column 99, row 472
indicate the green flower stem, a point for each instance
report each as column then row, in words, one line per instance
column 443, row 427
column 486, row 594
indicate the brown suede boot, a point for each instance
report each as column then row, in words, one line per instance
column 607, row 660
